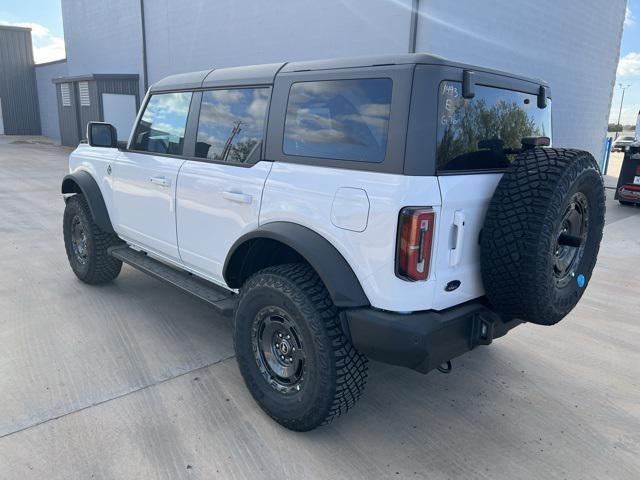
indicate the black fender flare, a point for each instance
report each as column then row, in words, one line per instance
column 338, row 277
column 82, row 182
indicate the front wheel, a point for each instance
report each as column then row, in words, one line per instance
column 87, row 244
column 293, row 355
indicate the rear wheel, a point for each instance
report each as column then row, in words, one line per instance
column 293, row 355
column 542, row 234
column 86, row 244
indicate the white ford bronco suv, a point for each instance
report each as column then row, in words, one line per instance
column 400, row 208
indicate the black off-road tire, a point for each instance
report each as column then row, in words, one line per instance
column 520, row 244
column 92, row 264
column 627, row 204
column 332, row 374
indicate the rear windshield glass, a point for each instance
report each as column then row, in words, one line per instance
column 485, row 132
column 339, row 119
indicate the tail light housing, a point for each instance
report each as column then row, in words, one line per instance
column 415, row 237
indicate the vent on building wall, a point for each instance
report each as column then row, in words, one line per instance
column 66, row 94
column 83, row 89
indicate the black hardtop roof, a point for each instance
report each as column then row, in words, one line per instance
column 265, row 74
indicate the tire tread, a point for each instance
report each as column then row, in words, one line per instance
column 103, row 267
column 297, row 281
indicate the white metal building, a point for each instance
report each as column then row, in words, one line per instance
column 573, row 44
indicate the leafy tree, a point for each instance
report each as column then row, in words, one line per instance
column 241, row 150
column 504, row 122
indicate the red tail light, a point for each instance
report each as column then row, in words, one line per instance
column 415, row 236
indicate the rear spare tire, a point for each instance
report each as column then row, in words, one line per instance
column 542, row 234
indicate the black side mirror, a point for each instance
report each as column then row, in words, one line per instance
column 100, row 134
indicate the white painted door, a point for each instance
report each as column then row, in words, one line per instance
column 465, row 199
column 120, row 111
column 145, row 176
column 144, row 196
column 219, row 196
column 216, row 205
column 477, row 139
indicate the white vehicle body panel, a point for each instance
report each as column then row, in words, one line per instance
column 189, row 212
column 193, row 222
column 96, row 162
column 216, row 204
column 304, row 194
column 465, row 199
column 144, row 199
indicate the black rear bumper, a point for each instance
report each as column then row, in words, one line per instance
column 424, row 340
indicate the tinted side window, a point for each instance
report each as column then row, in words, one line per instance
column 231, row 124
column 161, row 128
column 339, row 119
column 484, row 132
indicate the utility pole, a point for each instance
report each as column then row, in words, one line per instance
column 237, row 126
column 623, row 87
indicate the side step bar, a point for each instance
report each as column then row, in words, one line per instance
column 221, row 299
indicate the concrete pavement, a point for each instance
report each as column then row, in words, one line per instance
column 137, row 380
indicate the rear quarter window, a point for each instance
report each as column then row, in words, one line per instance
column 339, row 119
column 485, row 132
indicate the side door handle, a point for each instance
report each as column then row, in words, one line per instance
column 455, row 254
column 162, row 181
column 237, row 197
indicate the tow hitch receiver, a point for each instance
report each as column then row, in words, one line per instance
column 424, row 341
column 481, row 330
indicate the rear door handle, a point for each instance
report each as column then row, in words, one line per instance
column 162, row 181
column 455, row 254
column 237, row 197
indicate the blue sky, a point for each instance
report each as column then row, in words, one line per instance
column 45, row 18
column 628, row 68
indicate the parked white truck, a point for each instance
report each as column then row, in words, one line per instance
column 401, row 208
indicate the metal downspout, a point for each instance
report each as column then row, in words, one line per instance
column 413, row 28
column 144, row 47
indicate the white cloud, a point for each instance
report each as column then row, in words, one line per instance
column 52, row 50
column 629, row 18
column 629, row 64
column 46, row 46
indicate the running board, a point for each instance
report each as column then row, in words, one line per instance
column 221, row 299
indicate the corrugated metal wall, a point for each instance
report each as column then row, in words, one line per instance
column 90, row 112
column 74, row 116
column 18, row 90
column 68, row 116
column 47, row 96
column 127, row 85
